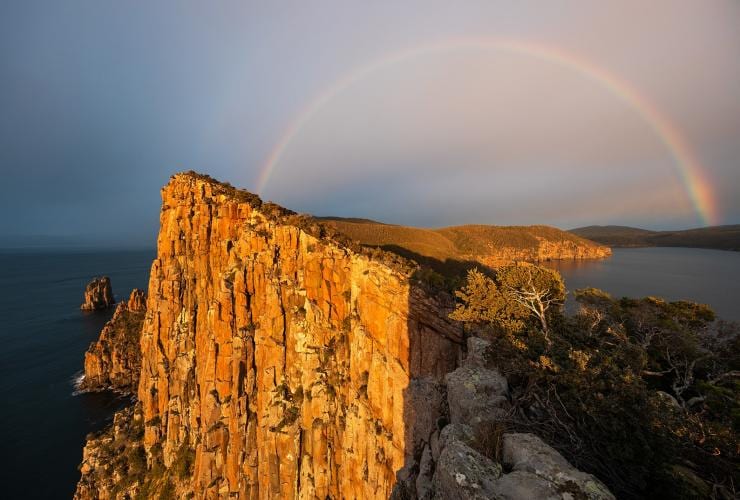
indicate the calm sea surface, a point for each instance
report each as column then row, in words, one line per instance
column 707, row 276
column 43, row 337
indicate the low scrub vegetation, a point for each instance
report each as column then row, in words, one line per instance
column 643, row 393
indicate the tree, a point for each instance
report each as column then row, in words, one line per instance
column 515, row 294
column 535, row 288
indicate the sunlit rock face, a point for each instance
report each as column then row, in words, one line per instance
column 98, row 295
column 293, row 366
column 545, row 250
column 114, row 360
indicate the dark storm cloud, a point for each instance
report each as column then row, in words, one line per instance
column 102, row 101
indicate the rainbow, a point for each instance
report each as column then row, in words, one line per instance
column 690, row 172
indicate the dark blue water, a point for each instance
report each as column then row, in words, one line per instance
column 707, row 276
column 43, row 337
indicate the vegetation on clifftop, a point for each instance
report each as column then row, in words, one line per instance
column 643, row 393
column 457, row 242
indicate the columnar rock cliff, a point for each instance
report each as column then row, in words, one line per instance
column 98, row 295
column 288, row 364
column 279, row 362
column 114, row 360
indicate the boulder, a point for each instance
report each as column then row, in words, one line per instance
column 98, row 295
column 528, row 453
column 464, row 474
column 454, row 432
column 476, row 395
column 522, row 485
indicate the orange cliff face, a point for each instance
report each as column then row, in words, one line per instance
column 282, row 363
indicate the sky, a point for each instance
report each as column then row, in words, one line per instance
column 425, row 113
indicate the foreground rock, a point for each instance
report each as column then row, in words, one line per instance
column 463, row 473
column 98, row 295
column 526, row 453
column 478, row 402
column 114, row 360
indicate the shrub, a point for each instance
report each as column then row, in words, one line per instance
column 643, row 393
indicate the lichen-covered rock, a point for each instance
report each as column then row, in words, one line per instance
column 464, row 474
column 295, row 366
column 528, row 453
column 114, row 360
column 476, row 355
column 522, row 485
column 98, row 295
column 455, row 432
column 476, row 395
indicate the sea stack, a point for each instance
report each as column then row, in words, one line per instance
column 98, row 295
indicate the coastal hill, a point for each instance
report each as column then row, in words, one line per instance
column 488, row 245
column 715, row 237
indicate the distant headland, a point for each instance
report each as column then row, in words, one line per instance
column 714, row 237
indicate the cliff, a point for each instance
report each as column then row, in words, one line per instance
column 278, row 361
column 98, row 295
column 114, row 360
column 284, row 362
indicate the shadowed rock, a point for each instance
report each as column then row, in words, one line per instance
column 528, row 453
column 463, row 473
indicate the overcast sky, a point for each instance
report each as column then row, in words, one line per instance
column 103, row 100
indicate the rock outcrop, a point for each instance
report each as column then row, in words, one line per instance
column 114, row 360
column 98, row 295
column 478, row 400
column 544, row 251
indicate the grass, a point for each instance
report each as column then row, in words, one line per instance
column 458, row 243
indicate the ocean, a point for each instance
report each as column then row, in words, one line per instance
column 44, row 335
column 707, row 276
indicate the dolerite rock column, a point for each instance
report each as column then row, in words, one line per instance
column 98, row 295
